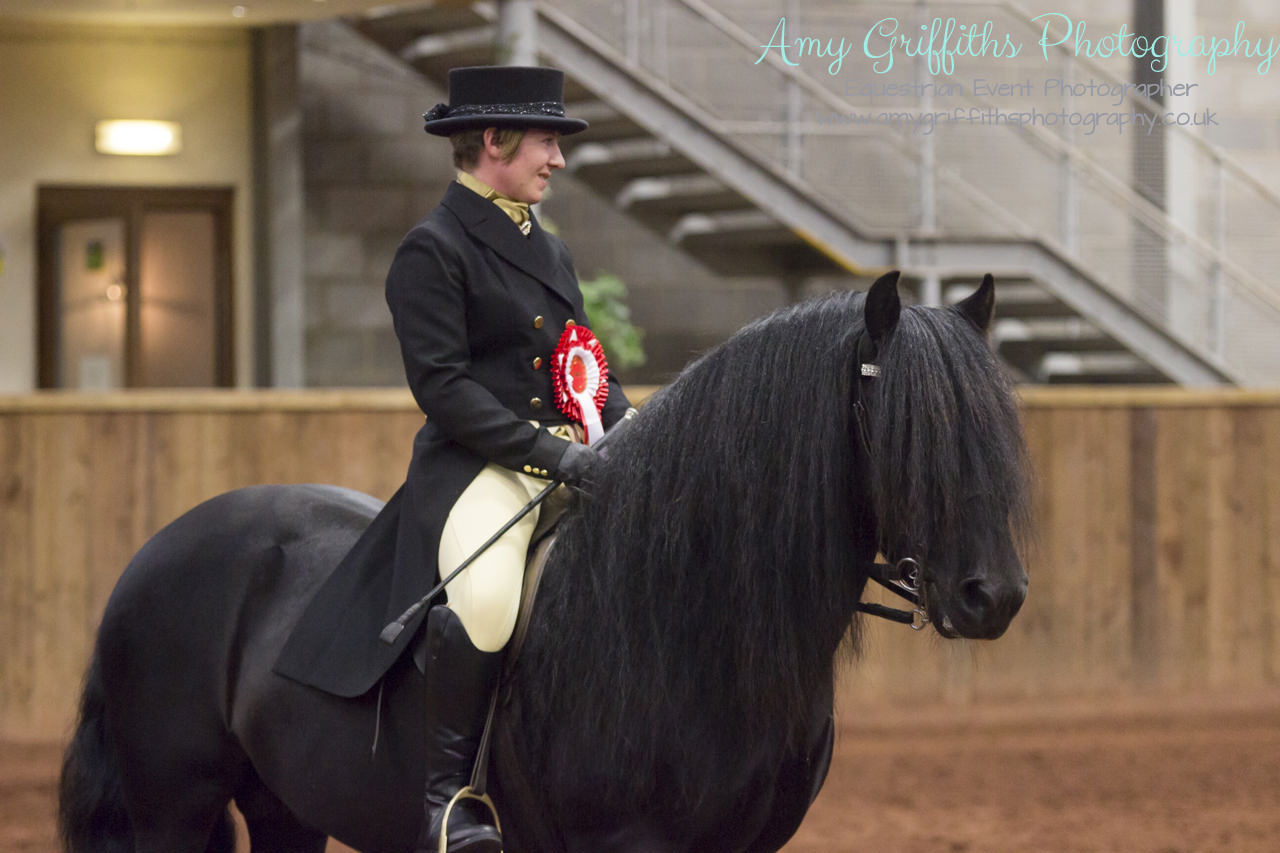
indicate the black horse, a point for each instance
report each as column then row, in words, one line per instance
column 674, row 691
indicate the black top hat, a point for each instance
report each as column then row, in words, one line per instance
column 502, row 96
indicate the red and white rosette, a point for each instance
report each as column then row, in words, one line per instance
column 581, row 378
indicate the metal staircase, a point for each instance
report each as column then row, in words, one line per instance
column 748, row 167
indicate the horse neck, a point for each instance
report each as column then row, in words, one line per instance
column 702, row 572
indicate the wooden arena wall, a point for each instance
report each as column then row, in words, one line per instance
column 1156, row 568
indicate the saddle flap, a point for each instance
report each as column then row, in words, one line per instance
column 529, row 592
column 543, row 538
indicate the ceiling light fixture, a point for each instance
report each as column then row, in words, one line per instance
column 138, row 138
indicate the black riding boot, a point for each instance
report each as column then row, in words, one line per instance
column 461, row 680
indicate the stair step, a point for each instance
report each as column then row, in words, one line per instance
column 734, row 225
column 396, row 30
column 1030, row 353
column 1016, row 299
column 1023, row 342
column 679, row 195
column 448, row 43
column 607, row 124
column 1115, row 368
column 625, row 159
column 748, row 243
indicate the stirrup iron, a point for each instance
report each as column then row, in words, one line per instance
column 466, row 793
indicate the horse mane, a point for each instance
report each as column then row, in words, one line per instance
column 696, row 601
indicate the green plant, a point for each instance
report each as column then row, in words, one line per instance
column 605, row 300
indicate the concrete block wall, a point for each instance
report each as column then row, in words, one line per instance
column 369, row 173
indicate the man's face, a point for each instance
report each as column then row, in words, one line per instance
column 525, row 176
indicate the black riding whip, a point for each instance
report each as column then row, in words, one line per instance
column 392, row 631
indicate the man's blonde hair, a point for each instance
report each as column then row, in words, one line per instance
column 468, row 144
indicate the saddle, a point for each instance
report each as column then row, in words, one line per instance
column 544, row 536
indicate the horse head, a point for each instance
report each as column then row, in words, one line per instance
column 947, row 460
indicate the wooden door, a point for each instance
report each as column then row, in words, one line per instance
column 135, row 287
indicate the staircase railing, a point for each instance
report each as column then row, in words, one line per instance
column 888, row 152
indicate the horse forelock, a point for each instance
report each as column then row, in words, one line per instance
column 694, row 603
column 948, row 466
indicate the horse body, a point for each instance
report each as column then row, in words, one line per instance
column 674, row 692
column 216, row 593
column 184, row 658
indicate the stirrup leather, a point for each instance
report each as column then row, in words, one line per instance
column 466, row 793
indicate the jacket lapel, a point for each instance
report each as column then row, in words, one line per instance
column 486, row 222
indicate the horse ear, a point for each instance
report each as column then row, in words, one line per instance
column 883, row 306
column 981, row 304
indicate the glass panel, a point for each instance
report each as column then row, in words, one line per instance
column 91, row 305
column 177, row 311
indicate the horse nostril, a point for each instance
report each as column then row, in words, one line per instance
column 978, row 601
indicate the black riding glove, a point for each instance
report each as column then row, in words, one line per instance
column 576, row 464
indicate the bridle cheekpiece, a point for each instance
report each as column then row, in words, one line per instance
column 905, row 577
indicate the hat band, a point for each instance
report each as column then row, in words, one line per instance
column 552, row 109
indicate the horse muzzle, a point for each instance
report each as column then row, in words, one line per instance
column 979, row 608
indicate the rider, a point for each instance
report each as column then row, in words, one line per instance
column 480, row 294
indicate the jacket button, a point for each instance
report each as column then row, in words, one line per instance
column 537, row 363
column 537, row 322
column 528, row 469
column 535, row 403
column 569, row 324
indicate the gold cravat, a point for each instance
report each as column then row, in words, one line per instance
column 517, row 210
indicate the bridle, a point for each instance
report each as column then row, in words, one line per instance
column 905, row 577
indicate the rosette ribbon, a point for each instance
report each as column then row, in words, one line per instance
column 580, row 376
